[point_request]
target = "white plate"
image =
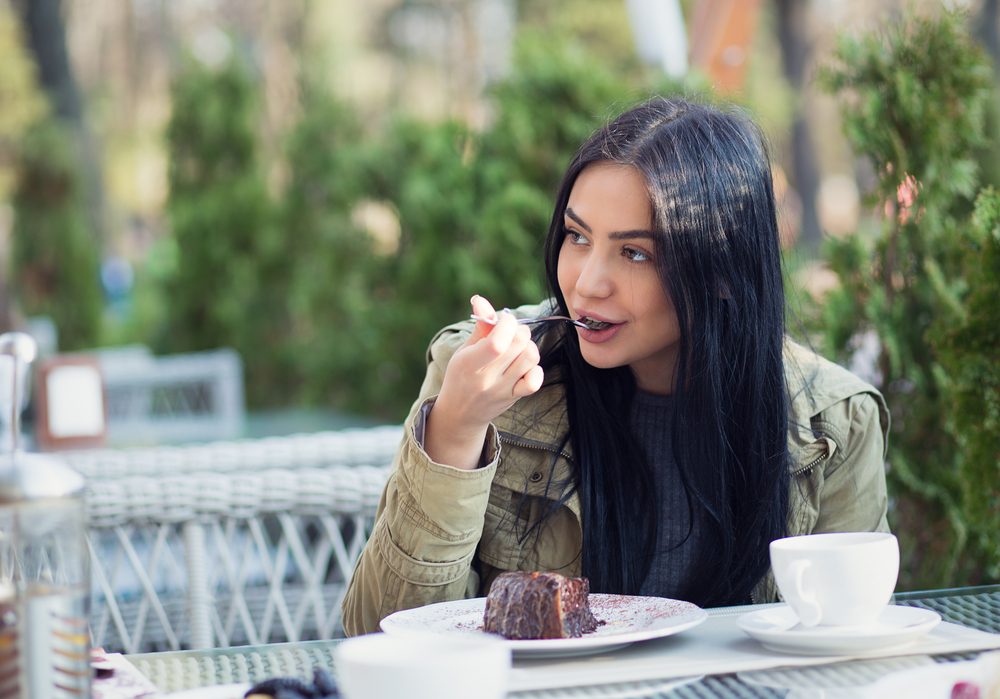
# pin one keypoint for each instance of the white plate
(778, 629)
(226, 691)
(626, 618)
(935, 681)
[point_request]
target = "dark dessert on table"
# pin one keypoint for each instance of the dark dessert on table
(523, 605)
(323, 687)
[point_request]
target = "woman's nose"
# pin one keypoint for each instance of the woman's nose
(594, 279)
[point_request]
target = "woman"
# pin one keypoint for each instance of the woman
(657, 451)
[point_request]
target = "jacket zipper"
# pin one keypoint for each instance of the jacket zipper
(531, 444)
(811, 465)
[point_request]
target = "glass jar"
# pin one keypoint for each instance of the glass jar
(44, 562)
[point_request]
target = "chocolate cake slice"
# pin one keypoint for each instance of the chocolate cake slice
(523, 605)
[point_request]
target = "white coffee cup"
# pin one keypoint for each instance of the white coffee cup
(423, 666)
(836, 579)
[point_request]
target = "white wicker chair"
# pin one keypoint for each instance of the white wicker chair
(229, 543)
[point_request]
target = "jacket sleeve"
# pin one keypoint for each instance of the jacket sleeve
(428, 525)
(853, 494)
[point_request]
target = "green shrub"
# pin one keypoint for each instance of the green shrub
(915, 98)
(227, 287)
(969, 357)
(338, 281)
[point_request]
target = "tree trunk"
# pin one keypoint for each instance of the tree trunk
(987, 30)
(795, 56)
(46, 34)
(6, 309)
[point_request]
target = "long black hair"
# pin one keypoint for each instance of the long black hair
(708, 176)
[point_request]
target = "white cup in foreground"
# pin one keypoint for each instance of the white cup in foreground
(836, 579)
(459, 666)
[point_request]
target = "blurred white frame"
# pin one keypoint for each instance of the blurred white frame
(71, 405)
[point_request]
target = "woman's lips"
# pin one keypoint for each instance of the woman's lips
(598, 336)
(604, 331)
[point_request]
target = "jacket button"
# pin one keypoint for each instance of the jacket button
(535, 477)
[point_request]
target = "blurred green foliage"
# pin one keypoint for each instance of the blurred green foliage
(338, 278)
(54, 261)
(231, 266)
(332, 289)
(915, 99)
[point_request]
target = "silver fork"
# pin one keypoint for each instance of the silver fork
(532, 321)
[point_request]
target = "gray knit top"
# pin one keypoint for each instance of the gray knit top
(677, 550)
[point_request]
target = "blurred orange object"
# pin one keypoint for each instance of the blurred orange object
(721, 34)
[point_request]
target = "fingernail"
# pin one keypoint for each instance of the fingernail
(474, 297)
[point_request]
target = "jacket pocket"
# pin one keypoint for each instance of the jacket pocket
(521, 475)
(503, 528)
(525, 483)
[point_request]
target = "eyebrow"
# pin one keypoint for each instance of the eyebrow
(615, 235)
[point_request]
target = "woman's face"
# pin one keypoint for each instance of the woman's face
(607, 275)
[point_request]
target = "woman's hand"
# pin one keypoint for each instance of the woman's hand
(495, 367)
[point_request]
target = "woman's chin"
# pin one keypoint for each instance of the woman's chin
(599, 360)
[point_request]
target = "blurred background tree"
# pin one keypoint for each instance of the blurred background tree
(54, 258)
(22, 102)
(915, 100)
(53, 255)
(22, 105)
(45, 37)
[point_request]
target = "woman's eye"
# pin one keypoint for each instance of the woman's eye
(635, 255)
(575, 237)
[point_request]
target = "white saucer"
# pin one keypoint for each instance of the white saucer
(778, 628)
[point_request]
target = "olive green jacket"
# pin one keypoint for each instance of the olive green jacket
(434, 521)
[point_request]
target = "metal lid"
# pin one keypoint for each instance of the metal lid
(35, 477)
(28, 476)
(21, 346)
(18, 350)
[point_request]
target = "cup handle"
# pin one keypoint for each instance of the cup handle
(806, 605)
